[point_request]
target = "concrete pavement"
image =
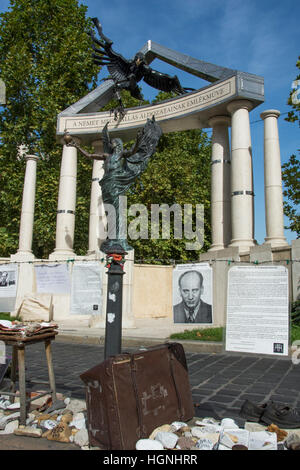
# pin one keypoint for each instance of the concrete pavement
(220, 381)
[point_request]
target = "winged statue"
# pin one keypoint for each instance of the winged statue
(121, 168)
(127, 73)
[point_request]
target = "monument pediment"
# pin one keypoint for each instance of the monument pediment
(189, 111)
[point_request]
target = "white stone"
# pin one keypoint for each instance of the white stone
(28, 431)
(30, 419)
(6, 419)
(148, 444)
(81, 438)
(225, 440)
(163, 427)
(208, 428)
(228, 423)
(76, 406)
(199, 432)
(10, 427)
(167, 439)
(4, 403)
(78, 421)
(176, 425)
(13, 406)
(206, 421)
(49, 423)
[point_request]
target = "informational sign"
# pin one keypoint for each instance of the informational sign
(192, 293)
(52, 279)
(86, 291)
(258, 310)
(8, 286)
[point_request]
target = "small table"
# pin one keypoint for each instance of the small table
(18, 344)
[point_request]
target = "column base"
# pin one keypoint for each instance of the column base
(216, 247)
(242, 244)
(275, 241)
(61, 254)
(22, 256)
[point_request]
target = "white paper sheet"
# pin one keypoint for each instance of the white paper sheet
(86, 291)
(52, 279)
(258, 310)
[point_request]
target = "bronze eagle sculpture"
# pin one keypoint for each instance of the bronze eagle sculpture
(127, 73)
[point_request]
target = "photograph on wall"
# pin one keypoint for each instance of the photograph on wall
(192, 293)
(258, 310)
(8, 286)
(86, 288)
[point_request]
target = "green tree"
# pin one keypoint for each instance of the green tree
(291, 169)
(46, 64)
(291, 179)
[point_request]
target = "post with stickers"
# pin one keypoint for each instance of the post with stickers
(113, 329)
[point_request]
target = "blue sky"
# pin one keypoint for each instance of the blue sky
(259, 36)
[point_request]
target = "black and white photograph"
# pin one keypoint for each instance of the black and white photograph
(192, 293)
(7, 278)
(8, 286)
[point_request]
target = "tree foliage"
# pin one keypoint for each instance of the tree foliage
(291, 179)
(291, 169)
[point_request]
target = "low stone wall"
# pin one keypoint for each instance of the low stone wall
(147, 294)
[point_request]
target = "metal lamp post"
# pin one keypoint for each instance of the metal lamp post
(113, 329)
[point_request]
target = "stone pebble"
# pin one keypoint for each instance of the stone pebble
(148, 444)
(167, 439)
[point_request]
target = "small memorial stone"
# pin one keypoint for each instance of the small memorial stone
(168, 439)
(148, 444)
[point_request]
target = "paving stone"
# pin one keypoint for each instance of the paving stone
(221, 376)
(219, 398)
(254, 398)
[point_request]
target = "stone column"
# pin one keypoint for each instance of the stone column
(97, 222)
(242, 196)
(65, 221)
(220, 184)
(27, 212)
(273, 182)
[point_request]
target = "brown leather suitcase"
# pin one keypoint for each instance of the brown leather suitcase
(129, 395)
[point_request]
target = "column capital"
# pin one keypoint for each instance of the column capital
(76, 139)
(31, 157)
(215, 120)
(239, 104)
(270, 113)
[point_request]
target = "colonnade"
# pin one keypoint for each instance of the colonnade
(232, 193)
